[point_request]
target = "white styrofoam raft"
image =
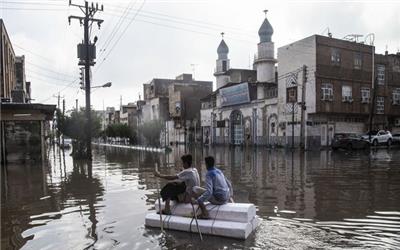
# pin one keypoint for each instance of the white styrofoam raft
(236, 212)
(239, 230)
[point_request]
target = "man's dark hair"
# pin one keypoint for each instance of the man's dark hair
(187, 159)
(209, 161)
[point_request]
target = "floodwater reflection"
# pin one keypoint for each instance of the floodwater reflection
(306, 200)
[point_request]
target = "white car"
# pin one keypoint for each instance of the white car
(379, 137)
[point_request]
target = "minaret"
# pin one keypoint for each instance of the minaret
(222, 64)
(265, 61)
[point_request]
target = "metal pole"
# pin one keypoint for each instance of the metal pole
(373, 81)
(292, 125)
(63, 115)
(87, 85)
(159, 202)
(303, 97)
(197, 222)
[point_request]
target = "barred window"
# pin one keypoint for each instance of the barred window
(357, 60)
(380, 104)
(365, 95)
(396, 96)
(327, 92)
(335, 56)
(347, 93)
(380, 73)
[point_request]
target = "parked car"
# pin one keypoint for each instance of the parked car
(396, 138)
(379, 137)
(348, 141)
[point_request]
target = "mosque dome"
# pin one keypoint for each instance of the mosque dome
(265, 32)
(222, 48)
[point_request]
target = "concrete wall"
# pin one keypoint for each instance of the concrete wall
(7, 63)
(265, 69)
(291, 59)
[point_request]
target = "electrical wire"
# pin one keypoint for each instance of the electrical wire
(121, 35)
(116, 28)
(50, 70)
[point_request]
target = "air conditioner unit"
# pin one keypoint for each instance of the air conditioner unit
(347, 99)
(365, 100)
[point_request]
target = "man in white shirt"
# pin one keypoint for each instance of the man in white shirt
(182, 189)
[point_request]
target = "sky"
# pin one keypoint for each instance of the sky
(144, 39)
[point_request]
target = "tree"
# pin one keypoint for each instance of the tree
(151, 131)
(120, 130)
(73, 127)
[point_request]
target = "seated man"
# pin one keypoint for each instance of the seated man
(182, 189)
(218, 189)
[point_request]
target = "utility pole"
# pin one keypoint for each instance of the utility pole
(371, 111)
(303, 107)
(58, 99)
(76, 105)
(87, 54)
(63, 113)
(293, 103)
(373, 84)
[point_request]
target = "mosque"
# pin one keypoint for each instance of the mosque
(243, 109)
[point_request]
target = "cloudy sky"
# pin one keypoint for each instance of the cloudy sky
(140, 40)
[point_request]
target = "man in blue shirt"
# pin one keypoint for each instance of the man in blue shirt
(218, 189)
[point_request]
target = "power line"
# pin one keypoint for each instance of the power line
(32, 3)
(51, 71)
(49, 76)
(47, 82)
(199, 23)
(31, 9)
(67, 86)
(123, 32)
(116, 27)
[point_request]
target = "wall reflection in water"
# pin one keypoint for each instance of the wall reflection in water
(70, 204)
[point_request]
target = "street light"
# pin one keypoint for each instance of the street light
(106, 85)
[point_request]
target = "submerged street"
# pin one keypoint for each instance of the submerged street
(315, 199)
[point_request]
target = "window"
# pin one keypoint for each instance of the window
(347, 93)
(335, 56)
(327, 92)
(291, 94)
(272, 127)
(357, 60)
(396, 96)
(380, 104)
(365, 95)
(224, 66)
(380, 73)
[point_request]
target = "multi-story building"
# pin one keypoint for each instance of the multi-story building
(24, 126)
(243, 109)
(387, 94)
(128, 115)
(164, 97)
(19, 93)
(7, 64)
(326, 87)
(184, 111)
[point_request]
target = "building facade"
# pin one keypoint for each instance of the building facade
(243, 109)
(326, 86)
(7, 64)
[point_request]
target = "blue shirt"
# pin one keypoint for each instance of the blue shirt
(216, 185)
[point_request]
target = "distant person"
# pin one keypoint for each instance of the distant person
(218, 189)
(180, 190)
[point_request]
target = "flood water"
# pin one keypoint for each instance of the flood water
(311, 200)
